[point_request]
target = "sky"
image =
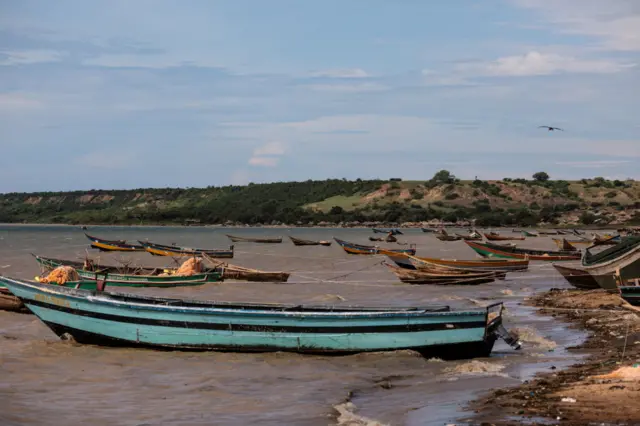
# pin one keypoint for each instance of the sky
(157, 93)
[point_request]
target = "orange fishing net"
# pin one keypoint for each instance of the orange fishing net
(61, 275)
(191, 266)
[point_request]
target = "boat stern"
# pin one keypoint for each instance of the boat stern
(495, 329)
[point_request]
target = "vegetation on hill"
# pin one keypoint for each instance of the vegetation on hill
(517, 202)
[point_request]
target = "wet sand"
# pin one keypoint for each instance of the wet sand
(46, 381)
(601, 390)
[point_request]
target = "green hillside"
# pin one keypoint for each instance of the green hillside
(443, 197)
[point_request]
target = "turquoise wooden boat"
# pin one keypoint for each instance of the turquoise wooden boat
(127, 276)
(105, 318)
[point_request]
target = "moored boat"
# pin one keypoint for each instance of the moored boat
(441, 277)
(429, 230)
(301, 242)
(507, 252)
(621, 260)
(492, 236)
(472, 236)
(528, 233)
(113, 245)
(393, 231)
(504, 265)
(177, 251)
(237, 239)
(389, 238)
(115, 319)
(353, 248)
(564, 243)
(577, 277)
(127, 276)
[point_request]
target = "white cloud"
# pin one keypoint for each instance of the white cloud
(536, 63)
(348, 88)
(19, 101)
(341, 73)
(270, 148)
(26, 57)
(614, 22)
(264, 161)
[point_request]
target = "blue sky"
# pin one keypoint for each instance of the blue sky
(153, 93)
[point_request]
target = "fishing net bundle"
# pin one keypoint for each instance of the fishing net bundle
(189, 267)
(61, 275)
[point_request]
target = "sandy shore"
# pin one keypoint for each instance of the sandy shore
(601, 390)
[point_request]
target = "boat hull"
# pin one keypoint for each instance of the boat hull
(407, 262)
(352, 248)
(493, 251)
(128, 320)
(631, 294)
(578, 278)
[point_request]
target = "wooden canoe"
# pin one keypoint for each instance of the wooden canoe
(529, 234)
(393, 231)
(353, 248)
(621, 260)
(143, 321)
(389, 239)
(240, 273)
(301, 242)
(492, 236)
(177, 251)
(505, 252)
(128, 276)
(420, 277)
(577, 277)
(504, 265)
(236, 239)
(113, 245)
(562, 243)
(429, 230)
(474, 236)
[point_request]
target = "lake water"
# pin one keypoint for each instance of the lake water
(45, 381)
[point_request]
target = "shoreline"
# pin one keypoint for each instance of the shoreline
(601, 389)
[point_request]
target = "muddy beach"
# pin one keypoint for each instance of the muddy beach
(603, 389)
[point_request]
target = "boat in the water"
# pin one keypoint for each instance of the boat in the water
(566, 244)
(429, 230)
(113, 245)
(393, 231)
(508, 252)
(236, 239)
(621, 260)
(504, 265)
(492, 236)
(115, 319)
(611, 240)
(129, 276)
(528, 233)
(548, 233)
(388, 239)
(577, 277)
(353, 248)
(440, 277)
(301, 242)
(177, 251)
(472, 236)
(443, 235)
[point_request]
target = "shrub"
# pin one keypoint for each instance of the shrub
(451, 196)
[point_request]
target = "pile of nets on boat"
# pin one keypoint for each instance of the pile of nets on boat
(61, 275)
(191, 266)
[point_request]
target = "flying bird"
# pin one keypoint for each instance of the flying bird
(551, 129)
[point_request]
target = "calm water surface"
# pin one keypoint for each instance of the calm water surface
(45, 381)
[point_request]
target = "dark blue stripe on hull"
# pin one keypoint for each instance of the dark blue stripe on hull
(261, 328)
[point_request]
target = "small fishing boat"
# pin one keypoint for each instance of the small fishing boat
(577, 277)
(506, 252)
(504, 265)
(254, 240)
(240, 273)
(440, 277)
(128, 276)
(478, 266)
(9, 302)
(113, 245)
(473, 236)
(621, 260)
(116, 319)
(443, 235)
(562, 232)
(353, 248)
(492, 236)
(393, 231)
(606, 240)
(177, 251)
(566, 244)
(301, 242)
(547, 232)
(529, 234)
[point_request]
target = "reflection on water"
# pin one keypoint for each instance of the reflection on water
(48, 381)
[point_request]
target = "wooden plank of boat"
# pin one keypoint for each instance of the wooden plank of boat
(301, 242)
(495, 250)
(237, 239)
(353, 248)
(492, 236)
(177, 251)
(105, 318)
(577, 277)
(113, 245)
(440, 277)
(9, 302)
(126, 276)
